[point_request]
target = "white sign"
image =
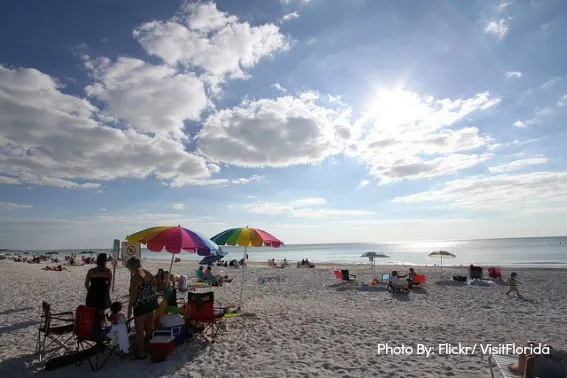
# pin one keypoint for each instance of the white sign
(129, 251)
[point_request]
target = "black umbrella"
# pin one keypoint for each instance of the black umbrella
(373, 255)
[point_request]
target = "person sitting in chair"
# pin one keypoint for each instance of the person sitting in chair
(212, 279)
(410, 276)
(393, 281)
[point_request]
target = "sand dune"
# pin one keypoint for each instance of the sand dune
(305, 324)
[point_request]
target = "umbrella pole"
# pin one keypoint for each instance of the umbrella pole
(171, 263)
(242, 282)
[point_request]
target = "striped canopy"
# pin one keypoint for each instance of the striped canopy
(174, 239)
(247, 237)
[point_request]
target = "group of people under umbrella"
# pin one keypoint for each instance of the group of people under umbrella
(143, 299)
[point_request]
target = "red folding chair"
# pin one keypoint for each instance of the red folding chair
(92, 343)
(201, 310)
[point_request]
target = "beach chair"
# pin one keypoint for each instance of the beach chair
(200, 276)
(475, 272)
(347, 277)
(59, 335)
(92, 344)
(201, 310)
(500, 362)
(419, 280)
(385, 278)
(494, 273)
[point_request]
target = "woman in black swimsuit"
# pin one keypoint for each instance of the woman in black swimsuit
(98, 282)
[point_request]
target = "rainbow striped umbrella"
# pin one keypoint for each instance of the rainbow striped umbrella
(174, 239)
(246, 237)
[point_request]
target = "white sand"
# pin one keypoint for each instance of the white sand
(306, 325)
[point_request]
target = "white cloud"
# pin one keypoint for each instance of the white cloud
(513, 74)
(178, 206)
(102, 210)
(148, 98)
(10, 180)
(538, 190)
(64, 140)
(407, 137)
(278, 87)
(497, 28)
(363, 184)
(316, 201)
(543, 111)
(11, 205)
(248, 180)
(288, 2)
(289, 16)
(562, 101)
(517, 165)
(302, 208)
(203, 37)
(275, 132)
(527, 122)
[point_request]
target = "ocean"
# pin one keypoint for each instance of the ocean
(527, 252)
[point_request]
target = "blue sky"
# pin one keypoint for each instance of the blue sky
(316, 120)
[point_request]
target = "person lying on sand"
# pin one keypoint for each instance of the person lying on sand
(57, 268)
(549, 363)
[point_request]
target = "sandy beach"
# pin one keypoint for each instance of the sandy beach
(306, 324)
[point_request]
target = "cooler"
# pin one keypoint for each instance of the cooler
(175, 324)
(161, 345)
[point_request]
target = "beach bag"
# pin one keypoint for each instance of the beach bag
(146, 300)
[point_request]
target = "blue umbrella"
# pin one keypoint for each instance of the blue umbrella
(211, 259)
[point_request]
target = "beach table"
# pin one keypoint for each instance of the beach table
(502, 361)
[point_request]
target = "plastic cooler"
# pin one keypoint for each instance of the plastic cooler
(161, 345)
(175, 324)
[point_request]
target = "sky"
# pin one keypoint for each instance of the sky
(319, 121)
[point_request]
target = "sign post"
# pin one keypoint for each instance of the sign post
(115, 252)
(129, 251)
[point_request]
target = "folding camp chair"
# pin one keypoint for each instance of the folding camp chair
(201, 310)
(347, 277)
(92, 344)
(418, 280)
(385, 278)
(49, 334)
(475, 272)
(494, 272)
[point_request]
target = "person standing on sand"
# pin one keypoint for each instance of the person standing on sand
(512, 284)
(143, 301)
(98, 282)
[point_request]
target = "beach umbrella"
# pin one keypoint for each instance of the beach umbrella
(246, 237)
(174, 240)
(212, 258)
(441, 254)
(372, 256)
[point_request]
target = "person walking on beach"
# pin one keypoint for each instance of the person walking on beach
(512, 284)
(143, 301)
